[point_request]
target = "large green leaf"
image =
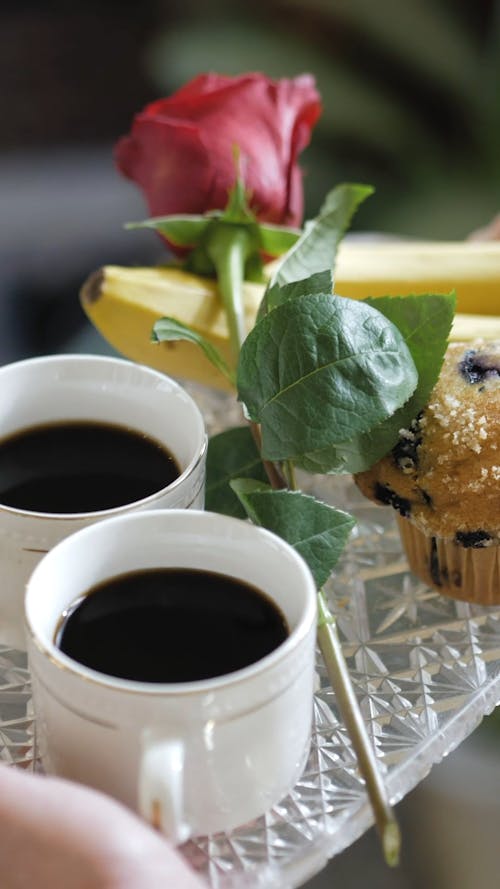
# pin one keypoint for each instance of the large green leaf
(276, 295)
(231, 454)
(316, 249)
(316, 530)
(424, 321)
(320, 370)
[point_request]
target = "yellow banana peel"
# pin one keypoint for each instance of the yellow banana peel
(472, 327)
(124, 303)
(393, 268)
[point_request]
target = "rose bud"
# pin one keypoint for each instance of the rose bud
(180, 150)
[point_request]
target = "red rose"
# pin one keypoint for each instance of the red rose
(181, 149)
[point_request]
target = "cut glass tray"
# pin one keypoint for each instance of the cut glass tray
(425, 669)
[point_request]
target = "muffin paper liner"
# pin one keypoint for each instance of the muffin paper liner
(467, 573)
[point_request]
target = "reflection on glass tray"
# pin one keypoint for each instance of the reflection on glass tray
(425, 668)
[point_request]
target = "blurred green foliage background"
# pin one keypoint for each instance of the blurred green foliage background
(411, 96)
(411, 93)
(411, 88)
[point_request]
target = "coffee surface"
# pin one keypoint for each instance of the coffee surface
(171, 625)
(81, 466)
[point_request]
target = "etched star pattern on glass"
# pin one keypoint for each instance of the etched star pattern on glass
(425, 669)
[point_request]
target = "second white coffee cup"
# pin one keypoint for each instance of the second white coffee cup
(197, 756)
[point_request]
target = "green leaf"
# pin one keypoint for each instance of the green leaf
(230, 454)
(183, 231)
(319, 370)
(192, 231)
(277, 239)
(237, 209)
(424, 321)
(320, 282)
(198, 262)
(316, 530)
(170, 330)
(316, 248)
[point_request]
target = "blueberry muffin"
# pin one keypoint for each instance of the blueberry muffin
(443, 478)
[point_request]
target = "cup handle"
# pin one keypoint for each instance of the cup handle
(161, 786)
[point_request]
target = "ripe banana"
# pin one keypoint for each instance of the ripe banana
(124, 303)
(393, 268)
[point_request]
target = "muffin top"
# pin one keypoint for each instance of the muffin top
(444, 472)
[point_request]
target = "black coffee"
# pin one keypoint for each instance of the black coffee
(75, 466)
(171, 625)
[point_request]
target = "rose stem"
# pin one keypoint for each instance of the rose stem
(276, 478)
(338, 674)
(228, 248)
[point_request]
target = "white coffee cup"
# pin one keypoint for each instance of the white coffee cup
(89, 387)
(193, 757)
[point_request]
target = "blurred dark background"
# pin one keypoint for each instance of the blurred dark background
(411, 105)
(411, 92)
